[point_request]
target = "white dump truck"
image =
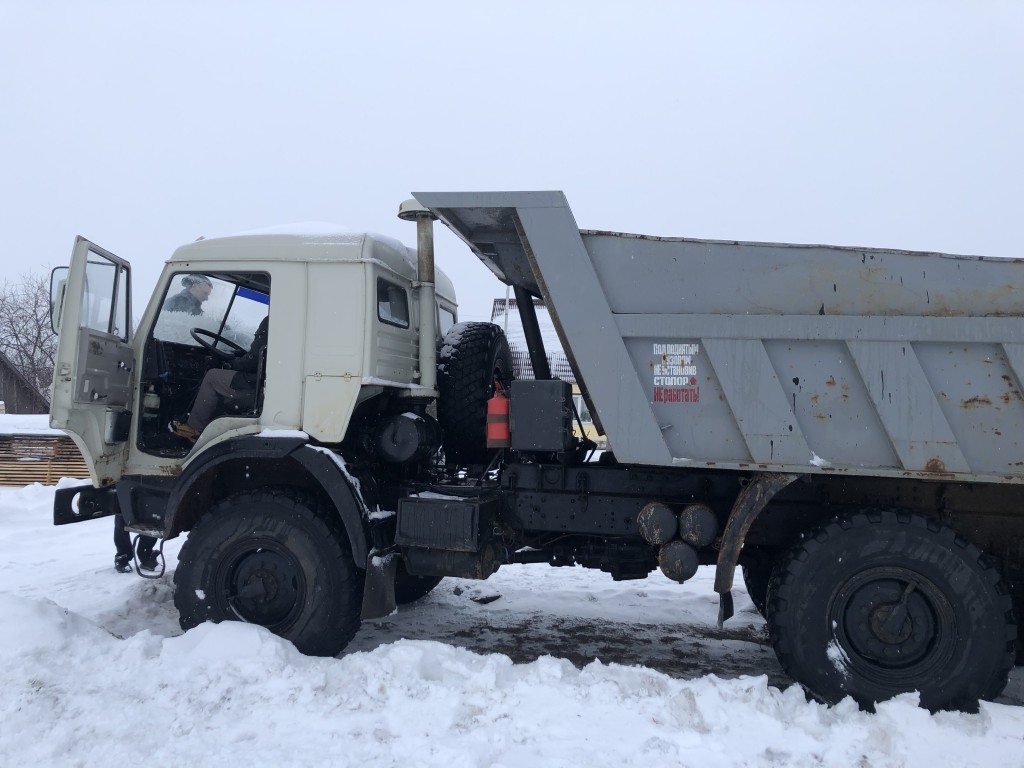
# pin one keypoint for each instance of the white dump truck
(843, 424)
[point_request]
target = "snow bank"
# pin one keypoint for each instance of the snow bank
(36, 626)
(236, 692)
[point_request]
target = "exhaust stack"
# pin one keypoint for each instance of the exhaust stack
(411, 210)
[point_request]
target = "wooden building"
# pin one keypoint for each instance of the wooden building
(17, 393)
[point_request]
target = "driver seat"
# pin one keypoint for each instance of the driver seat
(248, 402)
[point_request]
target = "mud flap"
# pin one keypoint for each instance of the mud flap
(379, 587)
(725, 608)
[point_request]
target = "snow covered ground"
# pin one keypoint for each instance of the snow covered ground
(565, 668)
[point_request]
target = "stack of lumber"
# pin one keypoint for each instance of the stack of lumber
(38, 458)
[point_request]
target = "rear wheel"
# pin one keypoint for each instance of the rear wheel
(271, 559)
(880, 603)
(473, 357)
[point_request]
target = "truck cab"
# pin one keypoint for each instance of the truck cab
(343, 330)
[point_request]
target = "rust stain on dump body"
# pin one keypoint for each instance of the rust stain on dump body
(1009, 397)
(976, 402)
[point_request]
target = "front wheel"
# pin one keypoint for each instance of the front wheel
(271, 559)
(879, 603)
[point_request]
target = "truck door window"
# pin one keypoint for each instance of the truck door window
(105, 302)
(392, 304)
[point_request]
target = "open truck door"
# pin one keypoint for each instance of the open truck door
(92, 381)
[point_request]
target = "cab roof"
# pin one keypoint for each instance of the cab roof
(310, 242)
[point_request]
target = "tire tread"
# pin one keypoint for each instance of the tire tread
(790, 570)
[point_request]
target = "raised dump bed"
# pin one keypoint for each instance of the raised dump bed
(755, 356)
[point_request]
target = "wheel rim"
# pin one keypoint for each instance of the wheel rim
(262, 583)
(895, 627)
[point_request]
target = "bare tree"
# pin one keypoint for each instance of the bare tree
(26, 337)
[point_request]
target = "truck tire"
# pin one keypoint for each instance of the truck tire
(880, 603)
(271, 559)
(409, 588)
(473, 356)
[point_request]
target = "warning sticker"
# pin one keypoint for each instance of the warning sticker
(675, 373)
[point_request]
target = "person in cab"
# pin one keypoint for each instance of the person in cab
(220, 383)
(195, 291)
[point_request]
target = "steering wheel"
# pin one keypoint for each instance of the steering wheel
(211, 344)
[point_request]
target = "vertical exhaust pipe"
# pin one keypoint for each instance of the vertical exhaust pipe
(411, 210)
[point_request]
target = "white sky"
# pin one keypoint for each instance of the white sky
(144, 125)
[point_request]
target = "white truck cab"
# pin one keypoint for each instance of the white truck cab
(343, 329)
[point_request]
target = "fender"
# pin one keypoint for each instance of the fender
(323, 466)
(748, 505)
(343, 488)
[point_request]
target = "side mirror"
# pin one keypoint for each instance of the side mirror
(58, 282)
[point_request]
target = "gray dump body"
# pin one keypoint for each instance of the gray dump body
(794, 358)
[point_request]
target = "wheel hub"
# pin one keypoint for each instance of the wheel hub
(884, 617)
(264, 588)
(888, 620)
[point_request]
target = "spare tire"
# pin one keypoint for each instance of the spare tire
(473, 357)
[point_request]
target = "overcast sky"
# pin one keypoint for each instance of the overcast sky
(142, 125)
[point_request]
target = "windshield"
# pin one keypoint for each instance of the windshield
(231, 305)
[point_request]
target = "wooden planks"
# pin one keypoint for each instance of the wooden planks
(26, 459)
